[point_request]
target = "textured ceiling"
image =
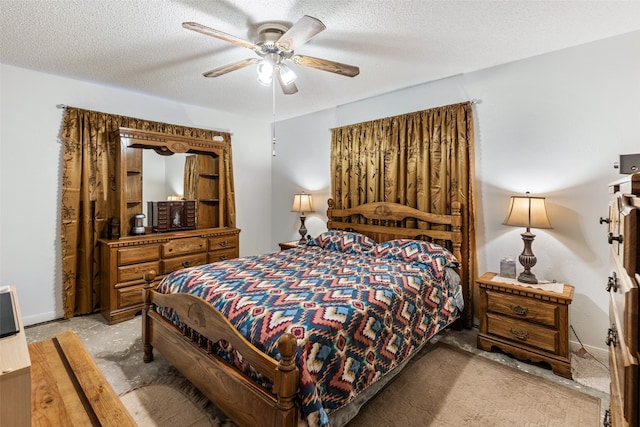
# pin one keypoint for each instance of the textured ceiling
(140, 45)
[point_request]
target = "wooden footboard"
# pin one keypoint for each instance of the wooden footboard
(241, 399)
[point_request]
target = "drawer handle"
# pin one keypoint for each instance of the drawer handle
(605, 220)
(611, 238)
(520, 334)
(186, 264)
(520, 311)
(223, 257)
(612, 337)
(612, 282)
(223, 243)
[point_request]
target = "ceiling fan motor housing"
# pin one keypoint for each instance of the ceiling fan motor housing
(268, 35)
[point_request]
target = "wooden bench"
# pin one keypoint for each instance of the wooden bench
(68, 389)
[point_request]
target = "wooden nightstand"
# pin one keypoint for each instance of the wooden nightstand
(288, 245)
(528, 323)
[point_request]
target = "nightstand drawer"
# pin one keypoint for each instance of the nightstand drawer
(523, 332)
(522, 308)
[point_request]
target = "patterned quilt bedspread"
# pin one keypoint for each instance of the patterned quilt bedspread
(355, 315)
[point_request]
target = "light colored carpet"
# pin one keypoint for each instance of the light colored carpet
(444, 386)
(174, 403)
(449, 387)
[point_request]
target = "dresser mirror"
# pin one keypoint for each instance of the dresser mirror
(163, 178)
(153, 168)
(150, 166)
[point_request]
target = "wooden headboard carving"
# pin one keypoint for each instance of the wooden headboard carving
(384, 222)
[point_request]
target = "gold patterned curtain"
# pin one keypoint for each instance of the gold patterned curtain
(88, 186)
(422, 159)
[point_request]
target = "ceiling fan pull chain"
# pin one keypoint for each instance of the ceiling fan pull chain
(273, 124)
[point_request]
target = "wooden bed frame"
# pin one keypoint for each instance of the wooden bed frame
(241, 399)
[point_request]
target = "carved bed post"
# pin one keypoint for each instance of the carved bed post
(287, 380)
(456, 228)
(149, 277)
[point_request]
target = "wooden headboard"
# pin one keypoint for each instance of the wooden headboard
(384, 221)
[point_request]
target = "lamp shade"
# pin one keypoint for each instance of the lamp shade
(529, 212)
(301, 203)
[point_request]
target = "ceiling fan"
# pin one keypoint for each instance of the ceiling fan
(275, 46)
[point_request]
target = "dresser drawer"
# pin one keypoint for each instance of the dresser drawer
(623, 368)
(177, 263)
(138, 254)
(222, 255)
(523, 308)
(129, 296)
(130, 273)
(523, 332)
(223, 242)
(184, 246)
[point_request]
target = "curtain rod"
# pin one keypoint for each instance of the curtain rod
(473, 101)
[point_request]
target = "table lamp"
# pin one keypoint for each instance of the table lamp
(302, 204)
(529, 212)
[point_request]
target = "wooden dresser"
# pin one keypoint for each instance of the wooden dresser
(125, 260)
(199, 230)
(622, 287)
(529, 323)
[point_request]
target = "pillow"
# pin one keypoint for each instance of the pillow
(343, 241)
(417, 251)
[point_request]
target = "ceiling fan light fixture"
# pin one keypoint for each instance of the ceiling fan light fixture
(265, 80)
(275, 44)
(287, 75)
(265, 72)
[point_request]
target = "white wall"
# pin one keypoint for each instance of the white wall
(301, 164)
(30, 158)
(552, 124)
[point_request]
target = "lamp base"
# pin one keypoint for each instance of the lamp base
(527, 259)
(302, 231)
(527, 277)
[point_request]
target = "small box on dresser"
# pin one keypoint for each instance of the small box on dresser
(172, 216)
(622, 287)
(526, 322)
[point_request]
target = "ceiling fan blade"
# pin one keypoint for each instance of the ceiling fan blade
(194, 26)
(326, 65)
(287, 89)
(302, 31)
(216, 72)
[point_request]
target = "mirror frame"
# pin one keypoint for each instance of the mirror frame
(167, 144)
